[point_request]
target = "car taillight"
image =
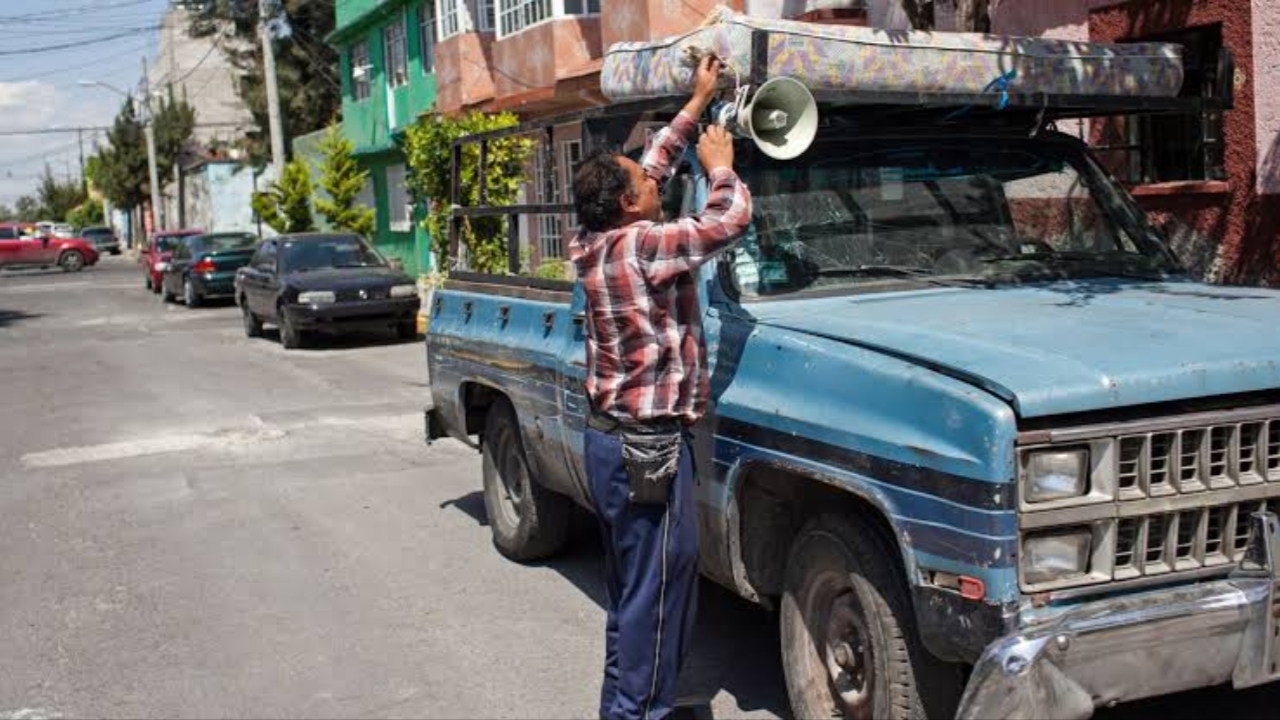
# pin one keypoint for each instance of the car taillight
(204, 266)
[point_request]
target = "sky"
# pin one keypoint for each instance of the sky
(50, 46)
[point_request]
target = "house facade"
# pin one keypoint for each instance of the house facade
(386, 50)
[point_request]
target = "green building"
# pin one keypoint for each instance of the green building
(388, 79)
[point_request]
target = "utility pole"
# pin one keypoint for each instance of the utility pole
(84, 181)
(273, 91)
(150, 131)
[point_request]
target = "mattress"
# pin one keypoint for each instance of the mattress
(843, 58)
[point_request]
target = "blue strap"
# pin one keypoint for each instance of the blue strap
(1001, 83)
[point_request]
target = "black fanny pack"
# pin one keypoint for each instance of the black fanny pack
(650, 454)
(652, 460)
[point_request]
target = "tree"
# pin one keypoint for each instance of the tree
(175, 123)
(7, 214)
(58, 198)
(27, 208)
(971, 15)
(343, 180)
(428, 149)
(121, 172)
(286, 205)
(89, 213)
(310, 88)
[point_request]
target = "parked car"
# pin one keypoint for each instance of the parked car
(22, 245)
(326, 282)
(103, 239)
(204, 267)
(155, 254)
(63, 230)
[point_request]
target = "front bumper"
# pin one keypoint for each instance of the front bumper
(355, 314)
(1069, 661)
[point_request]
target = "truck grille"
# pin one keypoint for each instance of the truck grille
(1185, 540)
(1195, 459)
(1167, 495)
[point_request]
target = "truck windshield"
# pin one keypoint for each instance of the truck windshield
(861, 217)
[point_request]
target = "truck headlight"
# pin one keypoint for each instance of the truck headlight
(1059, 555)
(403, 291)
(316, 297)
(1056, 475)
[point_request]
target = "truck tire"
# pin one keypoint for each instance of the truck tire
(528, 521)
(849, 645)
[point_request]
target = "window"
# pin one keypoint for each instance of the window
(360, 70)
(581, 7)
(397, 199)
(478, 17)
(572, 158)
(547, 190)
(1174, 147)
(450, 24)
(427, 35)
(394, 55)
(516, 15)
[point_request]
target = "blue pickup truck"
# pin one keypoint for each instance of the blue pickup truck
(974, 432)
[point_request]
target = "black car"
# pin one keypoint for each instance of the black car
(203, 267)
(103, 238)
(329, 282)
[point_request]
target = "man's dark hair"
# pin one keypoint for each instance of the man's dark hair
(598, 187)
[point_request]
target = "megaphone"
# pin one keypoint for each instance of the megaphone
(782, 118)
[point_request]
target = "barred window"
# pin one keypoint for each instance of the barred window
(427, 36)
(394, 55)
(397, 200)
(360, 70)
(1174, 147)
(516, 15)
(449, 18)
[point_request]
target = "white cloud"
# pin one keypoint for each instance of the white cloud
(32, 105)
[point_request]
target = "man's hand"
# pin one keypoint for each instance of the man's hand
(706, 78)
(715, 149)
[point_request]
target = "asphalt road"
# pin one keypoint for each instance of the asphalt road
(194, 524)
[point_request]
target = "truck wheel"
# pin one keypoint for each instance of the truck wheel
(252, 325)
(849, 645)
(528, 521)
(71, 261)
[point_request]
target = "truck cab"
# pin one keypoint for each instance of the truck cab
(974, 432)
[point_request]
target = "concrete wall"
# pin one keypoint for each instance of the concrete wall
(199, 70)
(218, 198)
(1266, 78)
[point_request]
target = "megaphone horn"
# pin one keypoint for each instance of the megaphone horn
(782, 118)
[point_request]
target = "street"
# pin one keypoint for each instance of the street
(201, 525)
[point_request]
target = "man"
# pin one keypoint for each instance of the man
(647, 382)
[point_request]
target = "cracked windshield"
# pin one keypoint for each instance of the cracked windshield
(866, 219)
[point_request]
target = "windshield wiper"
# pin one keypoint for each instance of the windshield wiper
(357, 265)
(924, 275)
(1101, 266)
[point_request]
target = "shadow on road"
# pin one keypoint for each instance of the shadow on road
(12, 317)
(328, 342)
(735, 646)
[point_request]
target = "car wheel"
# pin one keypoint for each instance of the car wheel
(189, 294)
(116, 251)
(166, 296)
(528, 521)
(252, 325)
(147, 282)
(407, 330)
(290, 336)
(71, 261)
(849, 644)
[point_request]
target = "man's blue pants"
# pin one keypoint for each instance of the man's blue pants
(651, 575)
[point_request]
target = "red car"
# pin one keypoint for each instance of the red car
(21, 245)
(159, 249)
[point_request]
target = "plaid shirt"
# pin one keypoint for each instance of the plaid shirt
(645, 355)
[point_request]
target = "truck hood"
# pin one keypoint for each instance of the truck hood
(1064, 347)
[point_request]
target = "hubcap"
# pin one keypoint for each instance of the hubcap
(848, 655)
(509, 473)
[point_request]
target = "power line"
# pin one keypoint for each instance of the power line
(79, 43)
(91, 63)
(92, 8)
(87, 128)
